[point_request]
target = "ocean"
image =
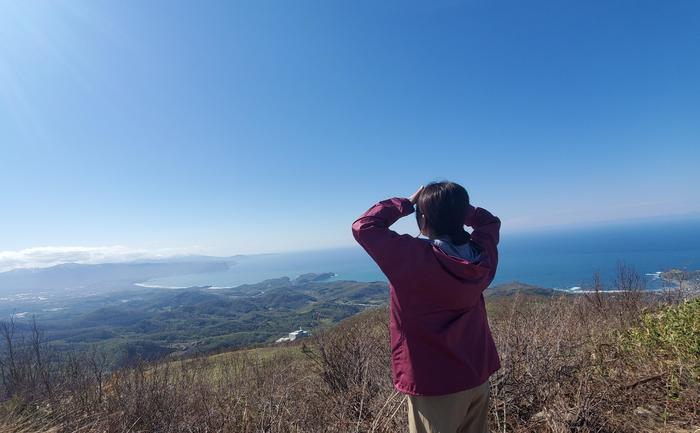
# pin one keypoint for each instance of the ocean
(565, 259)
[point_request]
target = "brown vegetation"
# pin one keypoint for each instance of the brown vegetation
(625, 362)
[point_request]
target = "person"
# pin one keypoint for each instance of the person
(442, 350)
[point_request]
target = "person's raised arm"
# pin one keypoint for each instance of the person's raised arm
(486, 231)
(486, 226)
(386, 247)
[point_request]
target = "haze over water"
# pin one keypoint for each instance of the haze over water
(563, 258)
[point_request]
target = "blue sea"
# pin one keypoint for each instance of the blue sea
(563, 258)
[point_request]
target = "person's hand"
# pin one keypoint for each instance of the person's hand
(414, 197)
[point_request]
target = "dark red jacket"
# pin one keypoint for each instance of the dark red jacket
(440, 338)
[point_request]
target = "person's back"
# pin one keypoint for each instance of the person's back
(442, 349)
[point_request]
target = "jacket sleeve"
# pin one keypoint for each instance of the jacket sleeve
(390, 250)
(486, 233)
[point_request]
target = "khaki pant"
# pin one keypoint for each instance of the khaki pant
(462, 412)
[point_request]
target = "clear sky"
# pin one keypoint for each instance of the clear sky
(229, 127)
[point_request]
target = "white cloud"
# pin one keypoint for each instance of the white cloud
(40, 257)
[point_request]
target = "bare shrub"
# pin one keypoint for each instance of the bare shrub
(631, 289)
(28, 367)
(543, 348)
(353, 360)
(567, 366)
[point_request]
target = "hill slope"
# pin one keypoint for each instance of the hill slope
(569, 363)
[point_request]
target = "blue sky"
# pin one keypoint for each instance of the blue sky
(229, 127)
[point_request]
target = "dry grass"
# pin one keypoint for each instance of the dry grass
(570, 366)
(597, 363)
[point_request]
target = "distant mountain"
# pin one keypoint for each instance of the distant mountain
(101, 277)
(311, 277)
(510, 289)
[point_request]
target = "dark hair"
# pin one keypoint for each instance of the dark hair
(444, 205)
